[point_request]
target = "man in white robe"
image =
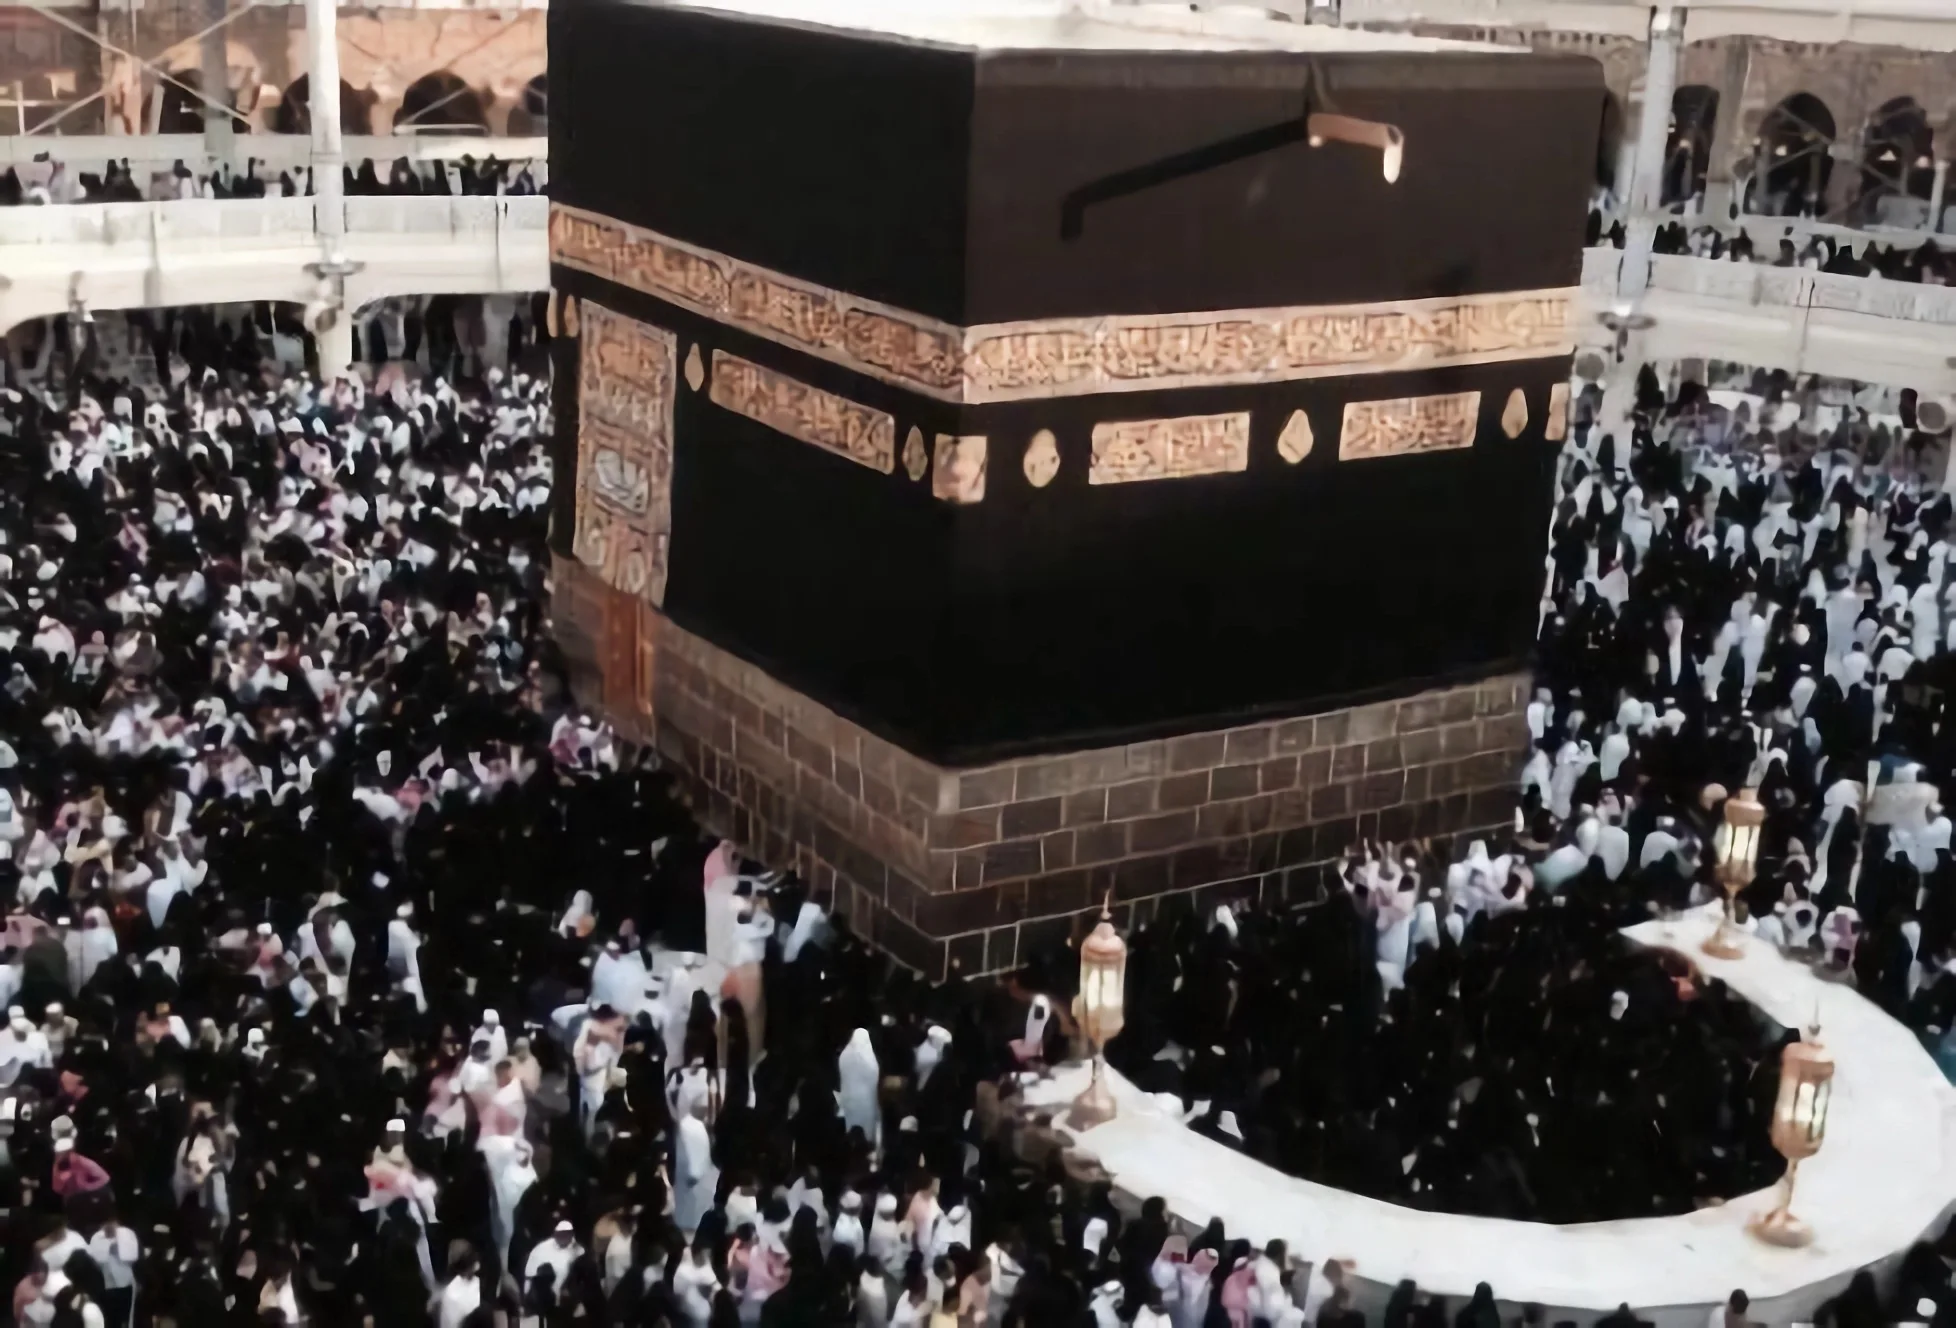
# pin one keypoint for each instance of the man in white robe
(695, 1178)
(557, 1254)
(859, 1075)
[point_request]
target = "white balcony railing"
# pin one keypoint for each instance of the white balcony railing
(1871, 329)
(260, 221)
(1759, 285)
(195, 251)
(276, 152)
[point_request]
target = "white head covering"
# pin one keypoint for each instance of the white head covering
(1036, 1018)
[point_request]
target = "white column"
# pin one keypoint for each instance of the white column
(1653, 133)
(1624, 177)
(218, 128)
(1936, 193)
(329, 188)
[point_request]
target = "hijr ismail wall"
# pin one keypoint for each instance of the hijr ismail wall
(994, 478)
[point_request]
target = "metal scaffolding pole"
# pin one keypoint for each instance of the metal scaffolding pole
(328, 185)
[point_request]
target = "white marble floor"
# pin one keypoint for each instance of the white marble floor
(1885, 1177)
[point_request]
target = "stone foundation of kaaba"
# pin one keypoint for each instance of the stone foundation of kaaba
(980, 866)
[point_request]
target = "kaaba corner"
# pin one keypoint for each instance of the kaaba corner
(1009, 455)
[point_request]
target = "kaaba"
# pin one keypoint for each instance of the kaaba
(980, 423)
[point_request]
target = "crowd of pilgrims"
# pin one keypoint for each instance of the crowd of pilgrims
(1729, 605)
(449, 336)
(353, 975)
(1735, 606)
(46, 182)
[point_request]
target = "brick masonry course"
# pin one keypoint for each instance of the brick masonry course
(981, 867)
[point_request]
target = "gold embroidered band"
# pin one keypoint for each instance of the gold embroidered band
(1128, 450)
(807, 413)
(870, 338)
(1404, 426)
(1068, 356)
(626, 377)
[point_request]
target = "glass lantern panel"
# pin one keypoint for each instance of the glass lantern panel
(1816, 1123)
(1090, 989)
(1745, 844)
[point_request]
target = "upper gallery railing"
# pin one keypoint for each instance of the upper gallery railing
(268, 220)
(154, 154)
(1765, 286)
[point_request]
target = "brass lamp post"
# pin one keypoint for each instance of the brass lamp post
(1806, 1083)
(1737, 845)
(1101, 1011)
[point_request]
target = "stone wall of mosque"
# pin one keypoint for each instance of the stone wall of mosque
(979, 866)
(412, 69)
(1741, 100)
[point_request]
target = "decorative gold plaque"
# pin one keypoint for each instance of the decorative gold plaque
(626, 381)
(959, 476)
(695, 370)
(1405, 426)
(1070, 356)
(1042, 459)
(1297, 440)
(1556, 427)
(1514, 415)
(915, 459)
(790, 406)
(1172, 449)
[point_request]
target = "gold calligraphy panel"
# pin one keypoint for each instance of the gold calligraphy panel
(1015, 362)
(1129, 450)
(809, 414)
(1407, 426)
(902, 348)
(1069, 356)
(625, 384)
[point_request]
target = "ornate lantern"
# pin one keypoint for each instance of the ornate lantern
(1806, 1082)
(1737, 845)
(1101, 1011)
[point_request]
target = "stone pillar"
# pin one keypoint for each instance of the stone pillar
(1844, 185)
(380, 115)
(122, 86)
(1936, 189)
(1653, 132)
(1727, 147)
(219, 129)
(1854, 115)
